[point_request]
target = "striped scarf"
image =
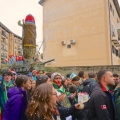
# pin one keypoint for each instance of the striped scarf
(7, 86)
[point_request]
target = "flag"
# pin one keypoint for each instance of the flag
(103, 107)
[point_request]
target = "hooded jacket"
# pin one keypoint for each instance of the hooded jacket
(16, 105)
(89, 85)
(101, 106)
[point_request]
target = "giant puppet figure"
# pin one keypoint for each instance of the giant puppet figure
(31, 58)
(29, 37)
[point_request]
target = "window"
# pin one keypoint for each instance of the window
(114, 51)
(111, 9)
(112, 30)
(68, 46)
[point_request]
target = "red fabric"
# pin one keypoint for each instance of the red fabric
(103, 88)
(10, 56)
(0, 116)
(58, 83)
(111, 91)
(12, 70)
(38, 72)
(29, 18)
(6, 60)
(103, 107)
(19, 58)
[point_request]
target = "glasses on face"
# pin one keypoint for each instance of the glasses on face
(57, 78)
(7, 75)
(54, 94)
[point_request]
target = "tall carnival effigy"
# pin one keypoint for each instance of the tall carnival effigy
(30, 58)
(29, 37)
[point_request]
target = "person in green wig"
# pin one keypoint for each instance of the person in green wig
(5, 85)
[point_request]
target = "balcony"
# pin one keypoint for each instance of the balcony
(116, 42)
(20, 53)
(3, 41)
(19, 46)
(118, 30)
(19, 49)
(3, 56)
(3, 49)
(3, 34)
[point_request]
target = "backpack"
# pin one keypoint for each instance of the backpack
(89, 88)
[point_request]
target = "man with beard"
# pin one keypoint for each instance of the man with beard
(116, 79)
(101, 106)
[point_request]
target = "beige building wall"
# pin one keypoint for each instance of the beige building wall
(9, 43)
(87, 22)
(114, 20)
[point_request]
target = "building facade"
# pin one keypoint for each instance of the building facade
(11, 44)
(81, 32)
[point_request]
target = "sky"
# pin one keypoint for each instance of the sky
(11, 11)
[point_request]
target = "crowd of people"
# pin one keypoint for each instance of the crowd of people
(51, 96)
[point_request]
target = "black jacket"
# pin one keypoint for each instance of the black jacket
(101, 106)
(89, 85)
(65, 112)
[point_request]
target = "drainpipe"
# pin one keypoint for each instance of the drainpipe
(110, 32)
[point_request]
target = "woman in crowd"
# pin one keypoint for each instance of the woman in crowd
(31, 89)
(16, 105)
(42, 106)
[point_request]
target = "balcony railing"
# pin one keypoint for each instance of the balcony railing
(3, 42)
(118, 30)
(3, 34)
(116, 42)
(19, 49)
(3, 49)
(3, 56)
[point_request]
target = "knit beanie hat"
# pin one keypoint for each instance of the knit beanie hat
(74, 77)
(41, 79)
(55, 74)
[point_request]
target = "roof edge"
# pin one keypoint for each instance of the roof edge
(17, 36)
(117, 6)
(115, 2)
(41, 2)
(9, 31)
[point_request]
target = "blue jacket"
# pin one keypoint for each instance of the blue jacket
(16, 105)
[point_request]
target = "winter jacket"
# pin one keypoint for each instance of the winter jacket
(3, 95)
(101, 106)
(65, 112)
(16, 105)
(117, 101)
(89, 85)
